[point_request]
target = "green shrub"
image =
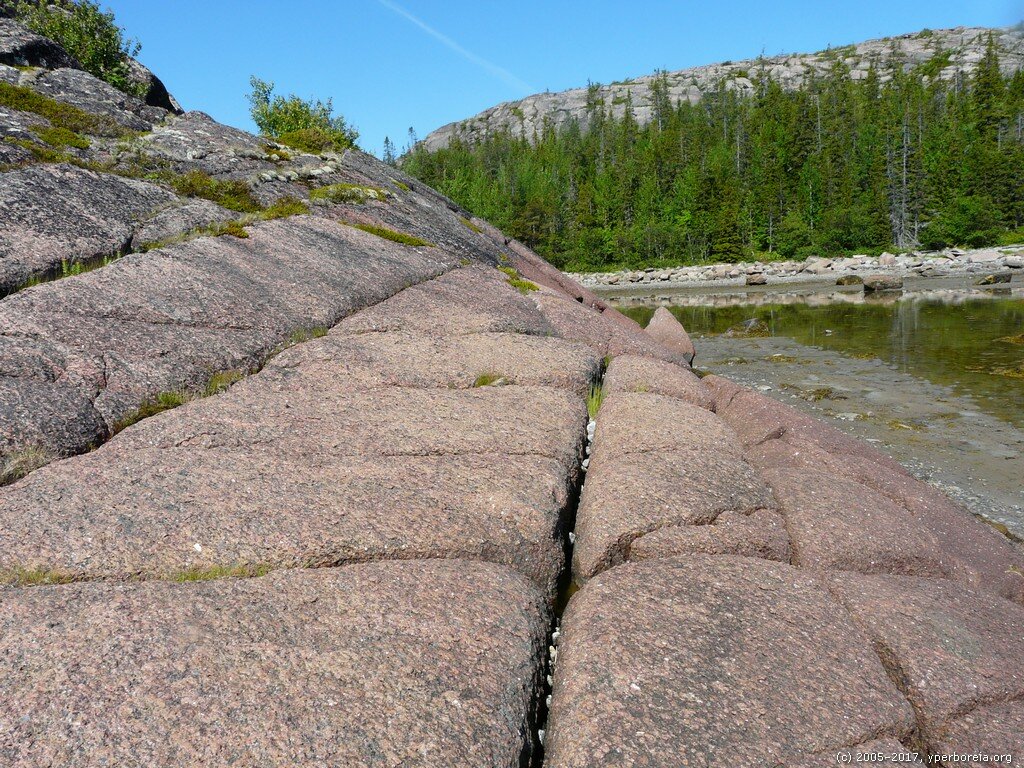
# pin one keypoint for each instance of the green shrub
(393, 236)
(305, 124)
(59, 114)
(90, 35)
(60, 137)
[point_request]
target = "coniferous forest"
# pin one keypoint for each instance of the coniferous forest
(896, 160)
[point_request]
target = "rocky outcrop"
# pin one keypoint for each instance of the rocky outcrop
(295, 489)
(351, 666)
(707, 659)
(957, 50)
(21, 48)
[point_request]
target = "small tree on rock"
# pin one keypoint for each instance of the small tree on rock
(305, 124)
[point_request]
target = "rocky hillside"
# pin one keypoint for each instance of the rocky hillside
(298, 460)
(952, 52)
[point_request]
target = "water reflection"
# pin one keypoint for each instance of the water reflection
(956, 337)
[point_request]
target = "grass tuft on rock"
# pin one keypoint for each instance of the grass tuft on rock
(165, 401)
(394, 236)
(595, 397)
(487, 380)
(214, 572)
(20, 463)
(34, 577)
(470, 225)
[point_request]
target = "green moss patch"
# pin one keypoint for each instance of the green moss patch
(348, 193)
(394, 236)
(59, 114)
(233, 195)
(60, 137)
(517, 282)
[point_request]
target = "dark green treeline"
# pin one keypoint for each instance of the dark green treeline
(894, 160)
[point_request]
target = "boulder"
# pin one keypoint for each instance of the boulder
(576, 322)
(714, 661)
(762, 534)
(887, 260)
(984, 256)
(669, 332)
(89, 93)
(634, 374)
(758, 278)
(307, 470)
(1014, 262)
(472, 299)
(883, 283)
(995, 279)
(850, 280)
(436, 361)
(156, 94)
(757, 418)
(838, 524)
(167, 320)
(20, 47)
(360, 665)
(974, 553)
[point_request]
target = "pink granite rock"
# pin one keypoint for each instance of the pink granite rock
(657, 462)
(632, 373)
(669, 332)
(957, 654)
(713, 661)
(429, 663)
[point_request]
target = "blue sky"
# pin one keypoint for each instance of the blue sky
(395, 64)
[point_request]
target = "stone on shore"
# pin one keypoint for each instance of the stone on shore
(757, 418)
(883, 282)
(850, 280)
(635, 374)
(714, 661)
(668, 331)
(428, 663)
(576, 322)
(974, 553)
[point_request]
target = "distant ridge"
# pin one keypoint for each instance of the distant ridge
(955, 51)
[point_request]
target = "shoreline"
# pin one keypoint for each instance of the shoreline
(815, 273)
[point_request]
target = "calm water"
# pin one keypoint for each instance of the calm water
(957, 340)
